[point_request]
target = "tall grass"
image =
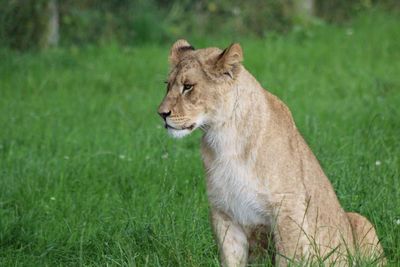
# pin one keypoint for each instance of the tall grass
(88, 175)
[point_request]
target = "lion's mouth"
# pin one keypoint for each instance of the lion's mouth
(190, 127)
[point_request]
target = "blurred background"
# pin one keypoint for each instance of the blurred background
(37, 24)
(88, 174)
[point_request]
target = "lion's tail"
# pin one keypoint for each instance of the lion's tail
(366, 240)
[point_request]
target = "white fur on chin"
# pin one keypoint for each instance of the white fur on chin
(178, 133)
(182, 133)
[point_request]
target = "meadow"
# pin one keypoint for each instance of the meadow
(89, 177)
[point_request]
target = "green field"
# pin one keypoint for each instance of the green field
(89, 177)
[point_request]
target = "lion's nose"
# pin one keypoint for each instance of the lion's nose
(164, 114)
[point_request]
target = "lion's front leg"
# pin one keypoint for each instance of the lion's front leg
(231, 238)
(292, 243)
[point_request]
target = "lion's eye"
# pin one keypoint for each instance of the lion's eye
(187, 87)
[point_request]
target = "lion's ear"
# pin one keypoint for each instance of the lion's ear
(230, 59)
(177, 50)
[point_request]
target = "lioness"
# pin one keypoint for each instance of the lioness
(264, 184)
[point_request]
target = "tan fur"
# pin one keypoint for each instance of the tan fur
(263, 181)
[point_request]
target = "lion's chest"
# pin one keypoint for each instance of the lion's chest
(234, 189)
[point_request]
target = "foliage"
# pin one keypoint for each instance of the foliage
(21, 23)
(131, 22)
(89, 177)
(343, 10)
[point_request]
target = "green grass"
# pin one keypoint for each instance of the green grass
(89, 177)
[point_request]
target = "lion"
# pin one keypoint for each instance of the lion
(265, 187)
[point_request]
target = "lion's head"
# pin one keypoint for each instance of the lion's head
(197, 85)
